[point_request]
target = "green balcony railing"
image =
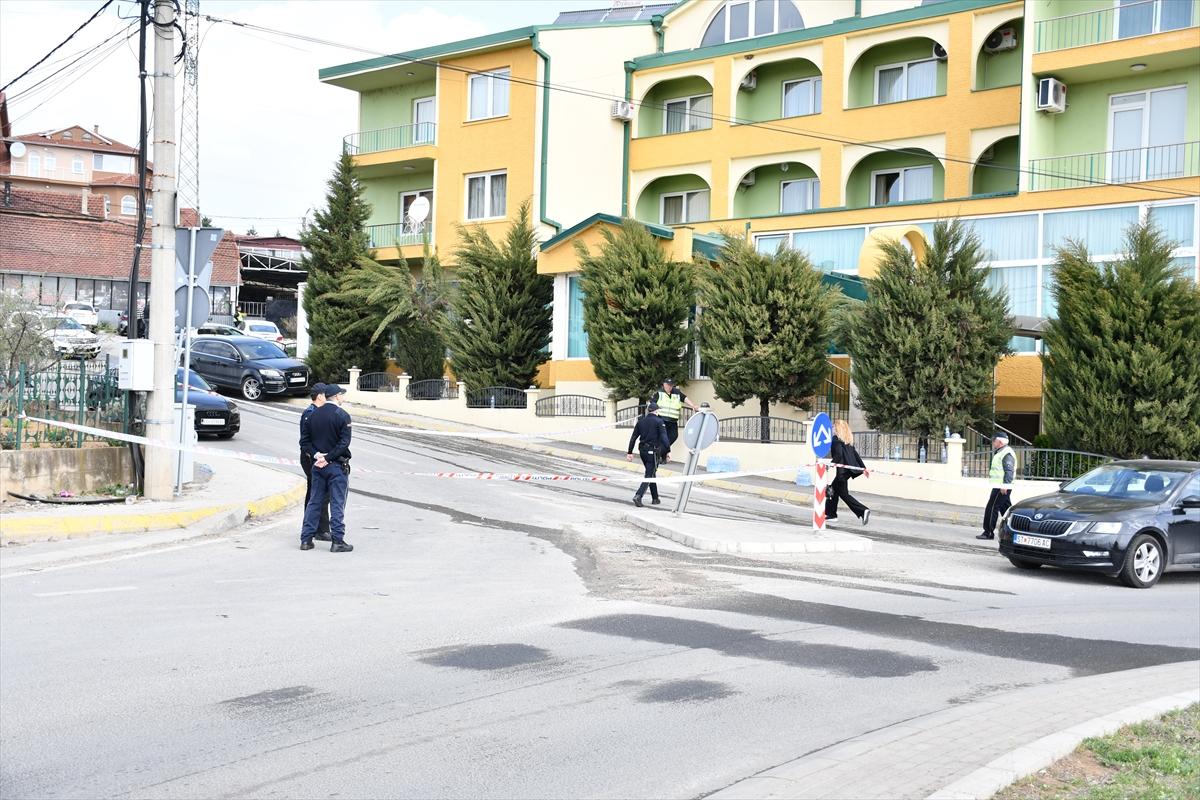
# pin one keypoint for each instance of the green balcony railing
(399, 234)
(1115, 166)
(1123, 21)
(396, 138)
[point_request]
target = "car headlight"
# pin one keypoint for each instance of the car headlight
(1106, 527)
(1079, 526)
(271, 373)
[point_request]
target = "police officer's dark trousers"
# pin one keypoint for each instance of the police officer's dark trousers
(328, 483)
(306, 464)
(998, 503)
(650, 462)
(672, 430)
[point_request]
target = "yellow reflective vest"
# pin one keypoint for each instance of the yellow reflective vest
(669, 405)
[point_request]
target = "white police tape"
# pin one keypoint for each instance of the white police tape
(484, 434)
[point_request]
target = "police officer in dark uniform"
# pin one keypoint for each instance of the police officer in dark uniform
(317, 394)
(652, 432)
(329, 427)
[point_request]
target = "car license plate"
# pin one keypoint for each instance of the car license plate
(1031, 541)
(297, 379)
(212, 422)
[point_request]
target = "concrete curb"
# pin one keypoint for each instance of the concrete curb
(215, 517)
(818, 543)
(1024, 761)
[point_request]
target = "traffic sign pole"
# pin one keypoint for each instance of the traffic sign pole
(821, 434)
(700, 432)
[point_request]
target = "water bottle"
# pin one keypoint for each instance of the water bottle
(896, 454)
(921, 454)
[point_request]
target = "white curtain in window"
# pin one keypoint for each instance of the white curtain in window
(891, 87)
(1168, 126)
(676, 114)
(479, 95)
(1174, 14)
(1021, 286)
(128, 205)
(1007, 238)
(764, 17)
(796, 196)
(1134, 18)
(918, 183)
(922, 79)
(770, 244)
(697, 206)
(499, 190)
(1176, 223)
(739, 20)
(577, 338)
(1049, 306)
(797, 98)
(1185, 267)
(672, 209)
(499, 87)
(700, 113)
(1102, 230)
(35, 165)
(476, 198)
(831, 250)
(886, 189)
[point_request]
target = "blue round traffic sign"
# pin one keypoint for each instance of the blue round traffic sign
(822, 435)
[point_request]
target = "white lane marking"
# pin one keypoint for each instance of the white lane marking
(140, 554)
(86, 591)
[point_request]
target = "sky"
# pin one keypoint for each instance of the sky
(269, 131)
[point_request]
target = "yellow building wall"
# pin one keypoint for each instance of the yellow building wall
(1019, 384)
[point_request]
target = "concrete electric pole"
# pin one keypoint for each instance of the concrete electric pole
(160, 407)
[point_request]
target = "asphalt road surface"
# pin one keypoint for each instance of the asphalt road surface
(517, 640)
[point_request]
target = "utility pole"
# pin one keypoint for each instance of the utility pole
(160, 407)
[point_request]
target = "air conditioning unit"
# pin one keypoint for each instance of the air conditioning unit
(1051, 96)
(939, 52)
(748, 181)
(1001, 40)
(988, 155)
(750, 82)
(622, 110)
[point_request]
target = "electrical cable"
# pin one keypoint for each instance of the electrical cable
(89, 21)
(25, 93)
(60, 87)
(403, 58)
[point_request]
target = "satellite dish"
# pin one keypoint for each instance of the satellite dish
(418, 210)
(17, 149)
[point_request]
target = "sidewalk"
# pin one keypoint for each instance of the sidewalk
(236, 490)
(952, 754)
(611, 458)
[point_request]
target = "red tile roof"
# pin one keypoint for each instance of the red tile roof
(23, 199)
(98, 143)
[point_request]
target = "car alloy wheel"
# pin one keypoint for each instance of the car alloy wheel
(251, 388)
(1143, 562)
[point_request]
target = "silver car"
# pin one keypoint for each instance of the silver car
(69, 338)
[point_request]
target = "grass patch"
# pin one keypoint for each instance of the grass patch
(1156, 760)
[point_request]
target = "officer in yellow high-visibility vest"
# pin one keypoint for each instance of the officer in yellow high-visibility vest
(670, 407)
(1000, 474)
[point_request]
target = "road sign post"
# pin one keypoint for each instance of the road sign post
(700, 432)
(821, 443)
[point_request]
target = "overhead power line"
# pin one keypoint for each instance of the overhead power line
(82, 70)
(25, 93)
(406, 58)
(89, 21)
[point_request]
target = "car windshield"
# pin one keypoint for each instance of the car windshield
(53, 323)
(264, 329)
(194, 381)
(78, 307)
(255, 350)
(1128, 482)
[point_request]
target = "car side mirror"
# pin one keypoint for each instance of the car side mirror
(1192, 501)
(1064, 484)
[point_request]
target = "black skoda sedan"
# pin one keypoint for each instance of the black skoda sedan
(1129, 519)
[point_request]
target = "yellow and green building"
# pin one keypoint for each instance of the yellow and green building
(823, 125)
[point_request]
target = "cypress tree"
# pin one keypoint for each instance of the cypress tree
(336, 243)
(636, 304)
(1122, 369)
(926, 341)
(764, 330)
(501, 311)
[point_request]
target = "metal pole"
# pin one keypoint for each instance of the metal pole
(160, 406)
(187, 358)
(693, 461)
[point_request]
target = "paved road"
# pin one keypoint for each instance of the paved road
(515, 640)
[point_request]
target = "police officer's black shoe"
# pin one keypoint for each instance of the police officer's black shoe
(985, 536)
(656, 502)
(306, 545)
(637, 501)
(341, 547)
(322, 537)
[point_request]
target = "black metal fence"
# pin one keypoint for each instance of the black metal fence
(762, 429)
(570, 405)
(378, 382)
(899, 446)
(433, 389)
(496, 397)
(1036, 463)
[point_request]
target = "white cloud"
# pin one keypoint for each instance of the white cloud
(269, 131)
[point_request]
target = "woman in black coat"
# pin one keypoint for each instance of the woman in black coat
(842, 452)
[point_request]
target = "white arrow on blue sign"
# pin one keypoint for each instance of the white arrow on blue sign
(822, 435)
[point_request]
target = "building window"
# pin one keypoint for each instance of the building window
(424, 109)
(35, 165)
(68, 135)
(1145, 134)
(798, 196)
(801, 98)
(489, 94)
(742, 19)
(1140, 17)
(51, 164)
(831, 250)
(688, 114)
(98, 161)
(770, 245)
(87, 137)
(901, 185)
(486, 195)
(107, 205)
(77, 165)
(577, 338)
(911, 80)
(128, 205)
(680, 207)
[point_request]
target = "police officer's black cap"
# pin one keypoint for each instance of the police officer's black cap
(651, 407)
(316, 389)
(333, 390)
(669, 380)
